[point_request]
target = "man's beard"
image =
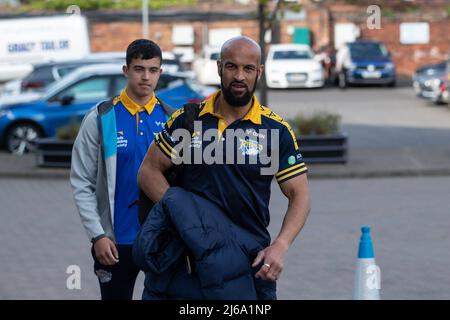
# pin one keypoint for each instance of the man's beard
(235, 101)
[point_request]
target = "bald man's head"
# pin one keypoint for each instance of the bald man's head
(241, 43)
(239, 68)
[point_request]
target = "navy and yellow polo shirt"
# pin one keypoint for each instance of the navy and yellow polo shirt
(136, 127)
(239, 188)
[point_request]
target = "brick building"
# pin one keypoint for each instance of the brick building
(319, 18)
(187, 30)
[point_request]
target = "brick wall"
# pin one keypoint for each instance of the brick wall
(116, 35)
(409, 57)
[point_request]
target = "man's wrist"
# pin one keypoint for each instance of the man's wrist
(282, 243)
(95, 239)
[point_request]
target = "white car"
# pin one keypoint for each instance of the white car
(205, 67)
(293, 66)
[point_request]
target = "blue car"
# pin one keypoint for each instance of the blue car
(27, 117)
(364, 62)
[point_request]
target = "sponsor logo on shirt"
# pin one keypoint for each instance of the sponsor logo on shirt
(291, 160)
(121, 141)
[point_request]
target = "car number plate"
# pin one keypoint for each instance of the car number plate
(371, 74)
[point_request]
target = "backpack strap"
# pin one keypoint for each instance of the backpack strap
(105, 106)
(167, 109)
(172, 175)
(191, 111)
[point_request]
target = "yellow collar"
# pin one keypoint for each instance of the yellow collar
(133, 107)
(254, 114)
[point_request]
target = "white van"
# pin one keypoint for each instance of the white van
(27, 41)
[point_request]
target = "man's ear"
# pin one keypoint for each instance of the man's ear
(261, 70)
(125, 71)
(219, 68)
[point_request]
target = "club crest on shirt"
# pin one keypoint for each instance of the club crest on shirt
(249, 147)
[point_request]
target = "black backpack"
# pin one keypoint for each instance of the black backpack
(191, 111)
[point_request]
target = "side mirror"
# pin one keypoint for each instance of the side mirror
(67, 100)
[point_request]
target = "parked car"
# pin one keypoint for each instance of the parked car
(205, 67)
(427, 78)
(35, 115)
(293, 66)
(45, 74)
(364, 62)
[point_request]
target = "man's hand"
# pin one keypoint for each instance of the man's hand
(273, 257)
(106, 252)
(296, 190)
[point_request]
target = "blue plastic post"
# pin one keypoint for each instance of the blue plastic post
(365, 244)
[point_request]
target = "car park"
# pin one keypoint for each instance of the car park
(293, 66)
(35, 115)
(364, 62)
(44, 74)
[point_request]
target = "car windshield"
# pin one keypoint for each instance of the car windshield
(368, 51)
(170, 61)
(292, 55)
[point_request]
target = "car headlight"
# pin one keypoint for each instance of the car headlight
(389, 66)
(350, 66)
(437, 82)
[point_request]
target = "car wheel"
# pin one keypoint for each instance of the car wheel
(392, 84)
(342, 81)
(20, 138)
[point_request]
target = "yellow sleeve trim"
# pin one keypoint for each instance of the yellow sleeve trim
(162, 147)
(289, 169)
(165, 143)
(170, 155)
(292, 174)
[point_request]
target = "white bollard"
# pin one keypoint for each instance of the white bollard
(368, 275)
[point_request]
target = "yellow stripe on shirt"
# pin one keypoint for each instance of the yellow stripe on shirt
(289, 169)
(280, 179)
(166, 144)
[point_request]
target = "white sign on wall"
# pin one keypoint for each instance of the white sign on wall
(183, 35)
(216, 37)
(414, 33)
